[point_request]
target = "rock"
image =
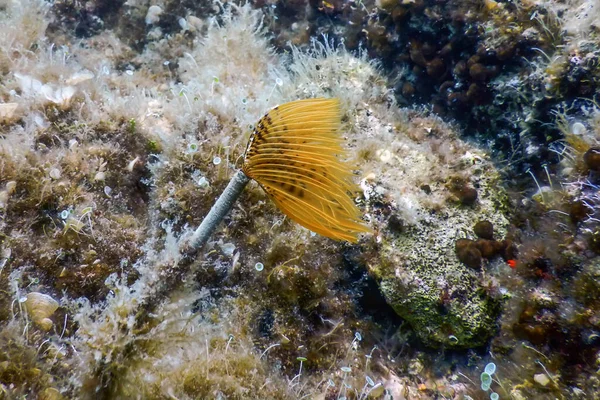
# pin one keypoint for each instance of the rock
(153, 15)
(541, 379)
(418, 271)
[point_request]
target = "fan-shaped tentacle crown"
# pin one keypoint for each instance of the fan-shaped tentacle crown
(293, 154)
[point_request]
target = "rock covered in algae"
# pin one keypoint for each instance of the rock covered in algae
(410, 191)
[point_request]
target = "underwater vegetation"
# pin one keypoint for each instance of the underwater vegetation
(462, 137)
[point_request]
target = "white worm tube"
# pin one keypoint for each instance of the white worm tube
(218, 211)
